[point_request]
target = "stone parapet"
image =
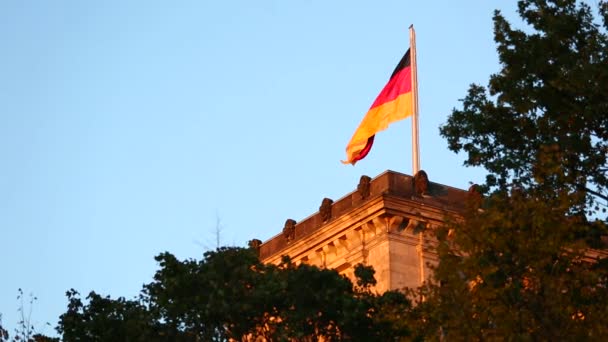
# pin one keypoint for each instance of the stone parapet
(390, 185)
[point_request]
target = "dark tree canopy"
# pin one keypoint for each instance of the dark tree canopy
(524, 263)
(519, 269)
(229, 294)
(543, 119)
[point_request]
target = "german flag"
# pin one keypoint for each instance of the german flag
(395, 102)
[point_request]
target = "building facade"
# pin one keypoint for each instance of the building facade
(384, 223)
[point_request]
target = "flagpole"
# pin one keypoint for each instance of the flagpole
(414, 75)
(415, 144)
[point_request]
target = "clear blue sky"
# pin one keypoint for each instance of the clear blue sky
(127, 128)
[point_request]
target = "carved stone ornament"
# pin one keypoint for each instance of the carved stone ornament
(416, 226)
(325, 209)
(289, 232)
(255, 244)
(421, 184)
(474, 196)
(364, 186)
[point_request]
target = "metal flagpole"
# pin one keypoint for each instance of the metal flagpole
(415, 145)
(414, 73)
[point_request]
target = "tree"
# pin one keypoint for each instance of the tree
(229, 294)
(517, 270)
(25, 330)
(521, 264)
(542, 120)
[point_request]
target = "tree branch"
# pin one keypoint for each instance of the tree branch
(605, 198)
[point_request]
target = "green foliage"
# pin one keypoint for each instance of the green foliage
(4, 336)
(365, 276)
(229, 294)
(106, 319)
(542, 120)
(519, 269)
(520, 265)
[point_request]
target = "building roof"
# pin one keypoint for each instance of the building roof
(390, 183)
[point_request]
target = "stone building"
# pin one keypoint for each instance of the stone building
(382, 224)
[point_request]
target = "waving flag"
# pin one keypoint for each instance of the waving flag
(395, 102)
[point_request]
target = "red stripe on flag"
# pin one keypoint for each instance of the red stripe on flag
(399, 84)
(364, 151)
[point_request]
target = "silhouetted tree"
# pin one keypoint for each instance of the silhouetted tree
(229, 294)
(521, 265)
